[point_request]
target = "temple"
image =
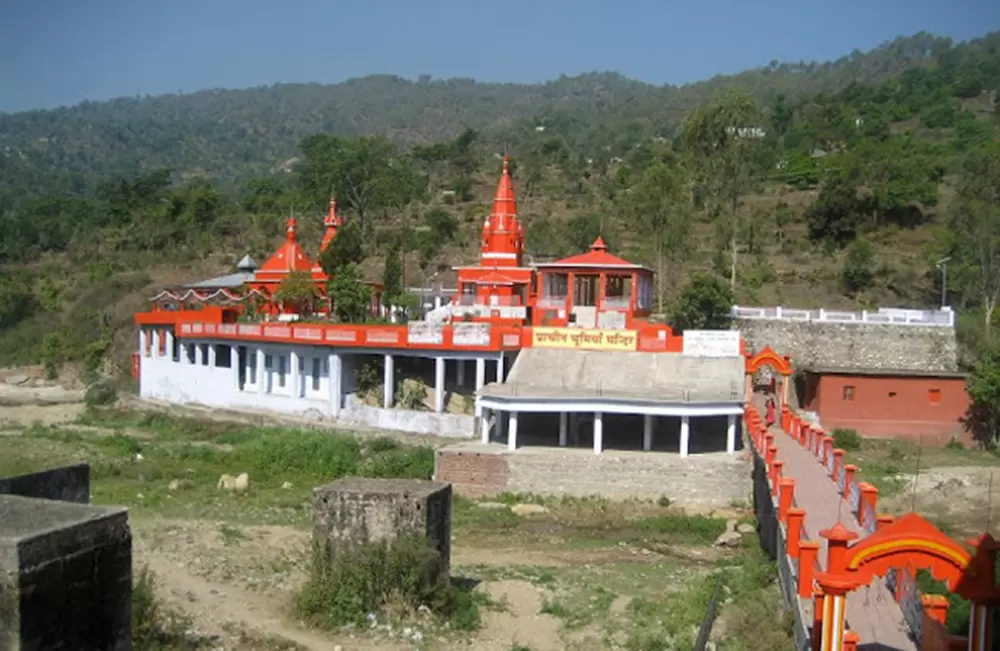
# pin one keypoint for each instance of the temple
(553, 354)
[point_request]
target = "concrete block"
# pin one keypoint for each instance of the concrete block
(65, 576)
(354, 511)
(67, 484)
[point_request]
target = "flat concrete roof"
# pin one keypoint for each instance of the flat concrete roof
(370, 486)
(23, 517)
(665, 378)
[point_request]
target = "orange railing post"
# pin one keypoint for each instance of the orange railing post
(867, 503)
(796, 516)
(776, 468)
(849, 471)
(786, 493)
(808, 553)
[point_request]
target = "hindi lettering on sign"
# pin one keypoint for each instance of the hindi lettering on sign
(712, 343)
(424, 333)
(578, 338)
(470, 334)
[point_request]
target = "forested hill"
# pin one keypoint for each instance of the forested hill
(232, 135)
(840, 187)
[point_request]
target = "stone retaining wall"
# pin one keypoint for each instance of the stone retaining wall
(699, 480)
(862, 346)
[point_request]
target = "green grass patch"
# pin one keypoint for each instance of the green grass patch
(149, 461)
(385, 579)
(889, 464)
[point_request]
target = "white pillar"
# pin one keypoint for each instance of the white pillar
(460, 374)
(685, 435)
(500, 369)
(480, 381)
(512, 432)
(731, 435)
(169, 348)
(439, 384)
(182, 349)
(562, 428)
(211, 355)
(484, 424)
(142, 342)
(389, 383)
(598, 432)
(198, 358)
(480, 373)
(154, 346)
(333, 386)
(293, 360)
(261, 372)
(647, 432)
(234, 365)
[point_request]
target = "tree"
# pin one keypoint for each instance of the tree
(582, 230)
(728, 154)
(983, 416)
(392, 275)
(976, 231)
(350, 297)
(837, 212)
(858, 273)
(367, 173)
(661, 205)
(298, 293)
(345, 249)
(705, 303)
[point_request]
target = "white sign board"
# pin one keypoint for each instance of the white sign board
(470, 334)
(712, 343)
(422, 332)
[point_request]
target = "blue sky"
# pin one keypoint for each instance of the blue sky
(58, 52)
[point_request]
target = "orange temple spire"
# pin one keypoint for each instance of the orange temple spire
(332, 222)
(503, 235)
(291, 229)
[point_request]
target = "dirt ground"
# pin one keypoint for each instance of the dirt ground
(230, 578)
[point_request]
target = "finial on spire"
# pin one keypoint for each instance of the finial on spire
(291, 228)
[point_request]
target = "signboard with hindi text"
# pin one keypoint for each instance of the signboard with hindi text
(581, 339)
(712, 343)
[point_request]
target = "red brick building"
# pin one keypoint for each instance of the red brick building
(899, 404)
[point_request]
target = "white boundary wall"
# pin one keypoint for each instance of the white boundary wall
(944, 317)
(206, 384)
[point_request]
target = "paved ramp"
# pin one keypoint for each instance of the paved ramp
(659, 376)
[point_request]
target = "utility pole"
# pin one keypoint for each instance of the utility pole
(942, 264)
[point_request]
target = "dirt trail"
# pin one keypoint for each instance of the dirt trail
(212, 606)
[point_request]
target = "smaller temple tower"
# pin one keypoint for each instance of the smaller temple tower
(331, 222)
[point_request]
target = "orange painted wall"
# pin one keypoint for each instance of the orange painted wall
(911, 412)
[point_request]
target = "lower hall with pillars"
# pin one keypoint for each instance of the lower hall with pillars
(612, 430)
(296, 378)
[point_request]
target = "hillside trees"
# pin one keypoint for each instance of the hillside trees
(975, 228)
(660, 201)
(368, 174)
(729, 158)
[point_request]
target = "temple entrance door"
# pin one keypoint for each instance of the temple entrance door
(585, 290)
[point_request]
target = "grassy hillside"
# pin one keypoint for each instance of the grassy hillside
(859, 184)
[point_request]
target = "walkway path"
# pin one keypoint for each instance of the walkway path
(872, 612)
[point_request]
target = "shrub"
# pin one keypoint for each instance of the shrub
(100, 393)
(153, 627)
(403, 574)
(691, 529)
(846, 439)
